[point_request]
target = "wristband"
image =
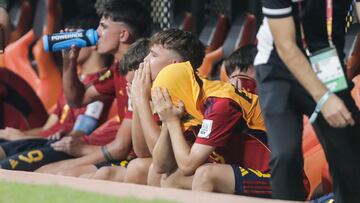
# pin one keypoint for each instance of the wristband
(319, 105)
(107, 154)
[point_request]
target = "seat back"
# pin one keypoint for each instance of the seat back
(48, 73)
(47, 82)
(16, 59)
(18, 94)
(314, 158)
(21, 19)
(214, 32)
(314, 161)
(184, 21)
(242, 32)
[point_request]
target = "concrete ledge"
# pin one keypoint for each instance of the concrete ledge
(124, 189)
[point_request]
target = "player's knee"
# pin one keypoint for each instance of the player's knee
(204, 178)
(153, 178)
(137, 172)
(169, 182)
(103, 173)
(70, 172)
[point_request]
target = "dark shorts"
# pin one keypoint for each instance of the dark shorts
(3, 140)
(33, 159)
(123, 163)
(251, 182)
(329, 198)
(14, 147)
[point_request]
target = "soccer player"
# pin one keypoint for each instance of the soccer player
(231, 126)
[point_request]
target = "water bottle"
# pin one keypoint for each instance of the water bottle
(88, 121)
(65, 40)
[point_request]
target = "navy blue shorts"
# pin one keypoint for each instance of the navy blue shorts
(33, 159)
(14, 147)
(251, 182)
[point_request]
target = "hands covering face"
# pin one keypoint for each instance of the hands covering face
(164, 106)
(141, 84)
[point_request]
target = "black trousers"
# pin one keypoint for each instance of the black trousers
(284, 102)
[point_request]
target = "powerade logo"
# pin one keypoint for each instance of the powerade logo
(67, 36)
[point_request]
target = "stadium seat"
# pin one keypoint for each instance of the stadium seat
(21, 107)
(47, 81)
(21, 19)
(314, 158)
(184, 21)
(242, 32)
(17, 119)
(214, 32)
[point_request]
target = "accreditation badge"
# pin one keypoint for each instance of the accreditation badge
(327, 67)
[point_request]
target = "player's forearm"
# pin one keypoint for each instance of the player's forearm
(74, 89)
(163, 155)
(180, 148)
(94, 158)
(150, 128)
(283, 31)
(301, 69)
(32, 132)
(138, 140)
(118, 150)
(89, 149)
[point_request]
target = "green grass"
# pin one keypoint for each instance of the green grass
(27, 193)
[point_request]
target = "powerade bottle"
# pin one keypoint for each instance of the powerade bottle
(65, 40)
(88, 121)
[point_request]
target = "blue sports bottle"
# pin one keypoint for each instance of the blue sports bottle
(88, 121)
(65, 40)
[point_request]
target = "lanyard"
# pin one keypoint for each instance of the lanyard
(329, 26)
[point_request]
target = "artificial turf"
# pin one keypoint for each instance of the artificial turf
(27, 193)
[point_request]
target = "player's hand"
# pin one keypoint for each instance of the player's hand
(11, 134)
(336, 113)
(71, 55)
(56, 136)
(130, 94)
(70, 145)
(164, 107)
(141, 85)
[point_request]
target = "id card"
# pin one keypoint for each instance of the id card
(327, 67)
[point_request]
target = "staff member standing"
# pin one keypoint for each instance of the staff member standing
(295, 37)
